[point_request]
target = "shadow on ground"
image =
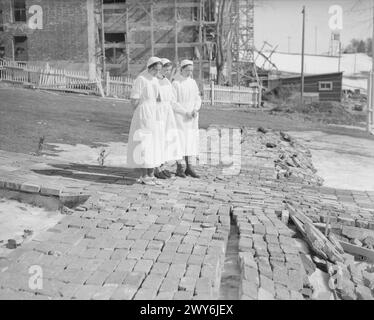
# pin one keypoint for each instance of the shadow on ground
(92, 173)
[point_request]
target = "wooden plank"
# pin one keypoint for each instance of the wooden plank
(179, 5)
(303, 218)
(157, 26)
(358, 251)
(128, 41)
(115, 6)
(298, 225)
(115, 45)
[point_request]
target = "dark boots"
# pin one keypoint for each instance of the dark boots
(159, 174)
(189, 170)
(180, 171)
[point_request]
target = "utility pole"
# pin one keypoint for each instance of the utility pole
(315, 39)
(370, 91)
(372, 44)
(289, 44)
(340, 55)
(302, 57)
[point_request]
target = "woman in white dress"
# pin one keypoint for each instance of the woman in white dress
(144, 144)
(168, 128)
(187, 117)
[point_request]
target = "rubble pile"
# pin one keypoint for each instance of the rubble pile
(351, 280)
(292, 161)
(294, 197)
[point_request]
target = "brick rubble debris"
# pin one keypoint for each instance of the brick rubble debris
(129, 241)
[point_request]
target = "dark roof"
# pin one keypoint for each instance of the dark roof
(313, 75)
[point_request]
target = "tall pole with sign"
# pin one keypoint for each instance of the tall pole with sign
(370, 91)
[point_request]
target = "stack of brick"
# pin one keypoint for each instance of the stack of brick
(271, 267)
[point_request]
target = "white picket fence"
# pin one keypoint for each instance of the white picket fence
(46, 77)
(119, 87)
(214, 94)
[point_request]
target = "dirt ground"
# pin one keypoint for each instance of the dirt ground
(26, 115)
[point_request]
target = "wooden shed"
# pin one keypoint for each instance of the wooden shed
(327, 86)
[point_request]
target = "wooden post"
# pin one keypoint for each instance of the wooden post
(103, 38)
(370, 91)
(212, 93)
(302, 57)
(91, 39)
(127, 42)
(107, 83)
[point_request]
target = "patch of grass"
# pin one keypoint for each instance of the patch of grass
(26, 115)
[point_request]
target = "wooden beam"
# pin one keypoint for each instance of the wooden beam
(103, 37)
(121, 45)
(157, 26)
(128, 41)
(179, 5)
(114, 6)
(91, 39)
(358, 251)
(166, 45)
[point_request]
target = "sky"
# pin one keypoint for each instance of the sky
(279, 22)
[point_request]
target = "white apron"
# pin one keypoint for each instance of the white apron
(188, 98)
(144, 143)
(169, 132)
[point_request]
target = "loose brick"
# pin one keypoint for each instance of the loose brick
(123, 293)
(98, 278)
(116, 277)
(30, 187)
(104, 293)
(187, 284)
(145, 294)
(85, 292)
(160, 268)
(249, 288)
(203, 286)
(143, 266)
(126, 265)
(169, 285)
(134, 279)
(152, 282)
(183, 295)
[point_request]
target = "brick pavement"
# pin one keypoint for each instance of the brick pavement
(130, 241)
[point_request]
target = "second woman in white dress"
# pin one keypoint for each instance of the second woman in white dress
(170, 142)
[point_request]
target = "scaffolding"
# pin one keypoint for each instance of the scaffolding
(173, 29)
(177, 29)
(243, 63)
